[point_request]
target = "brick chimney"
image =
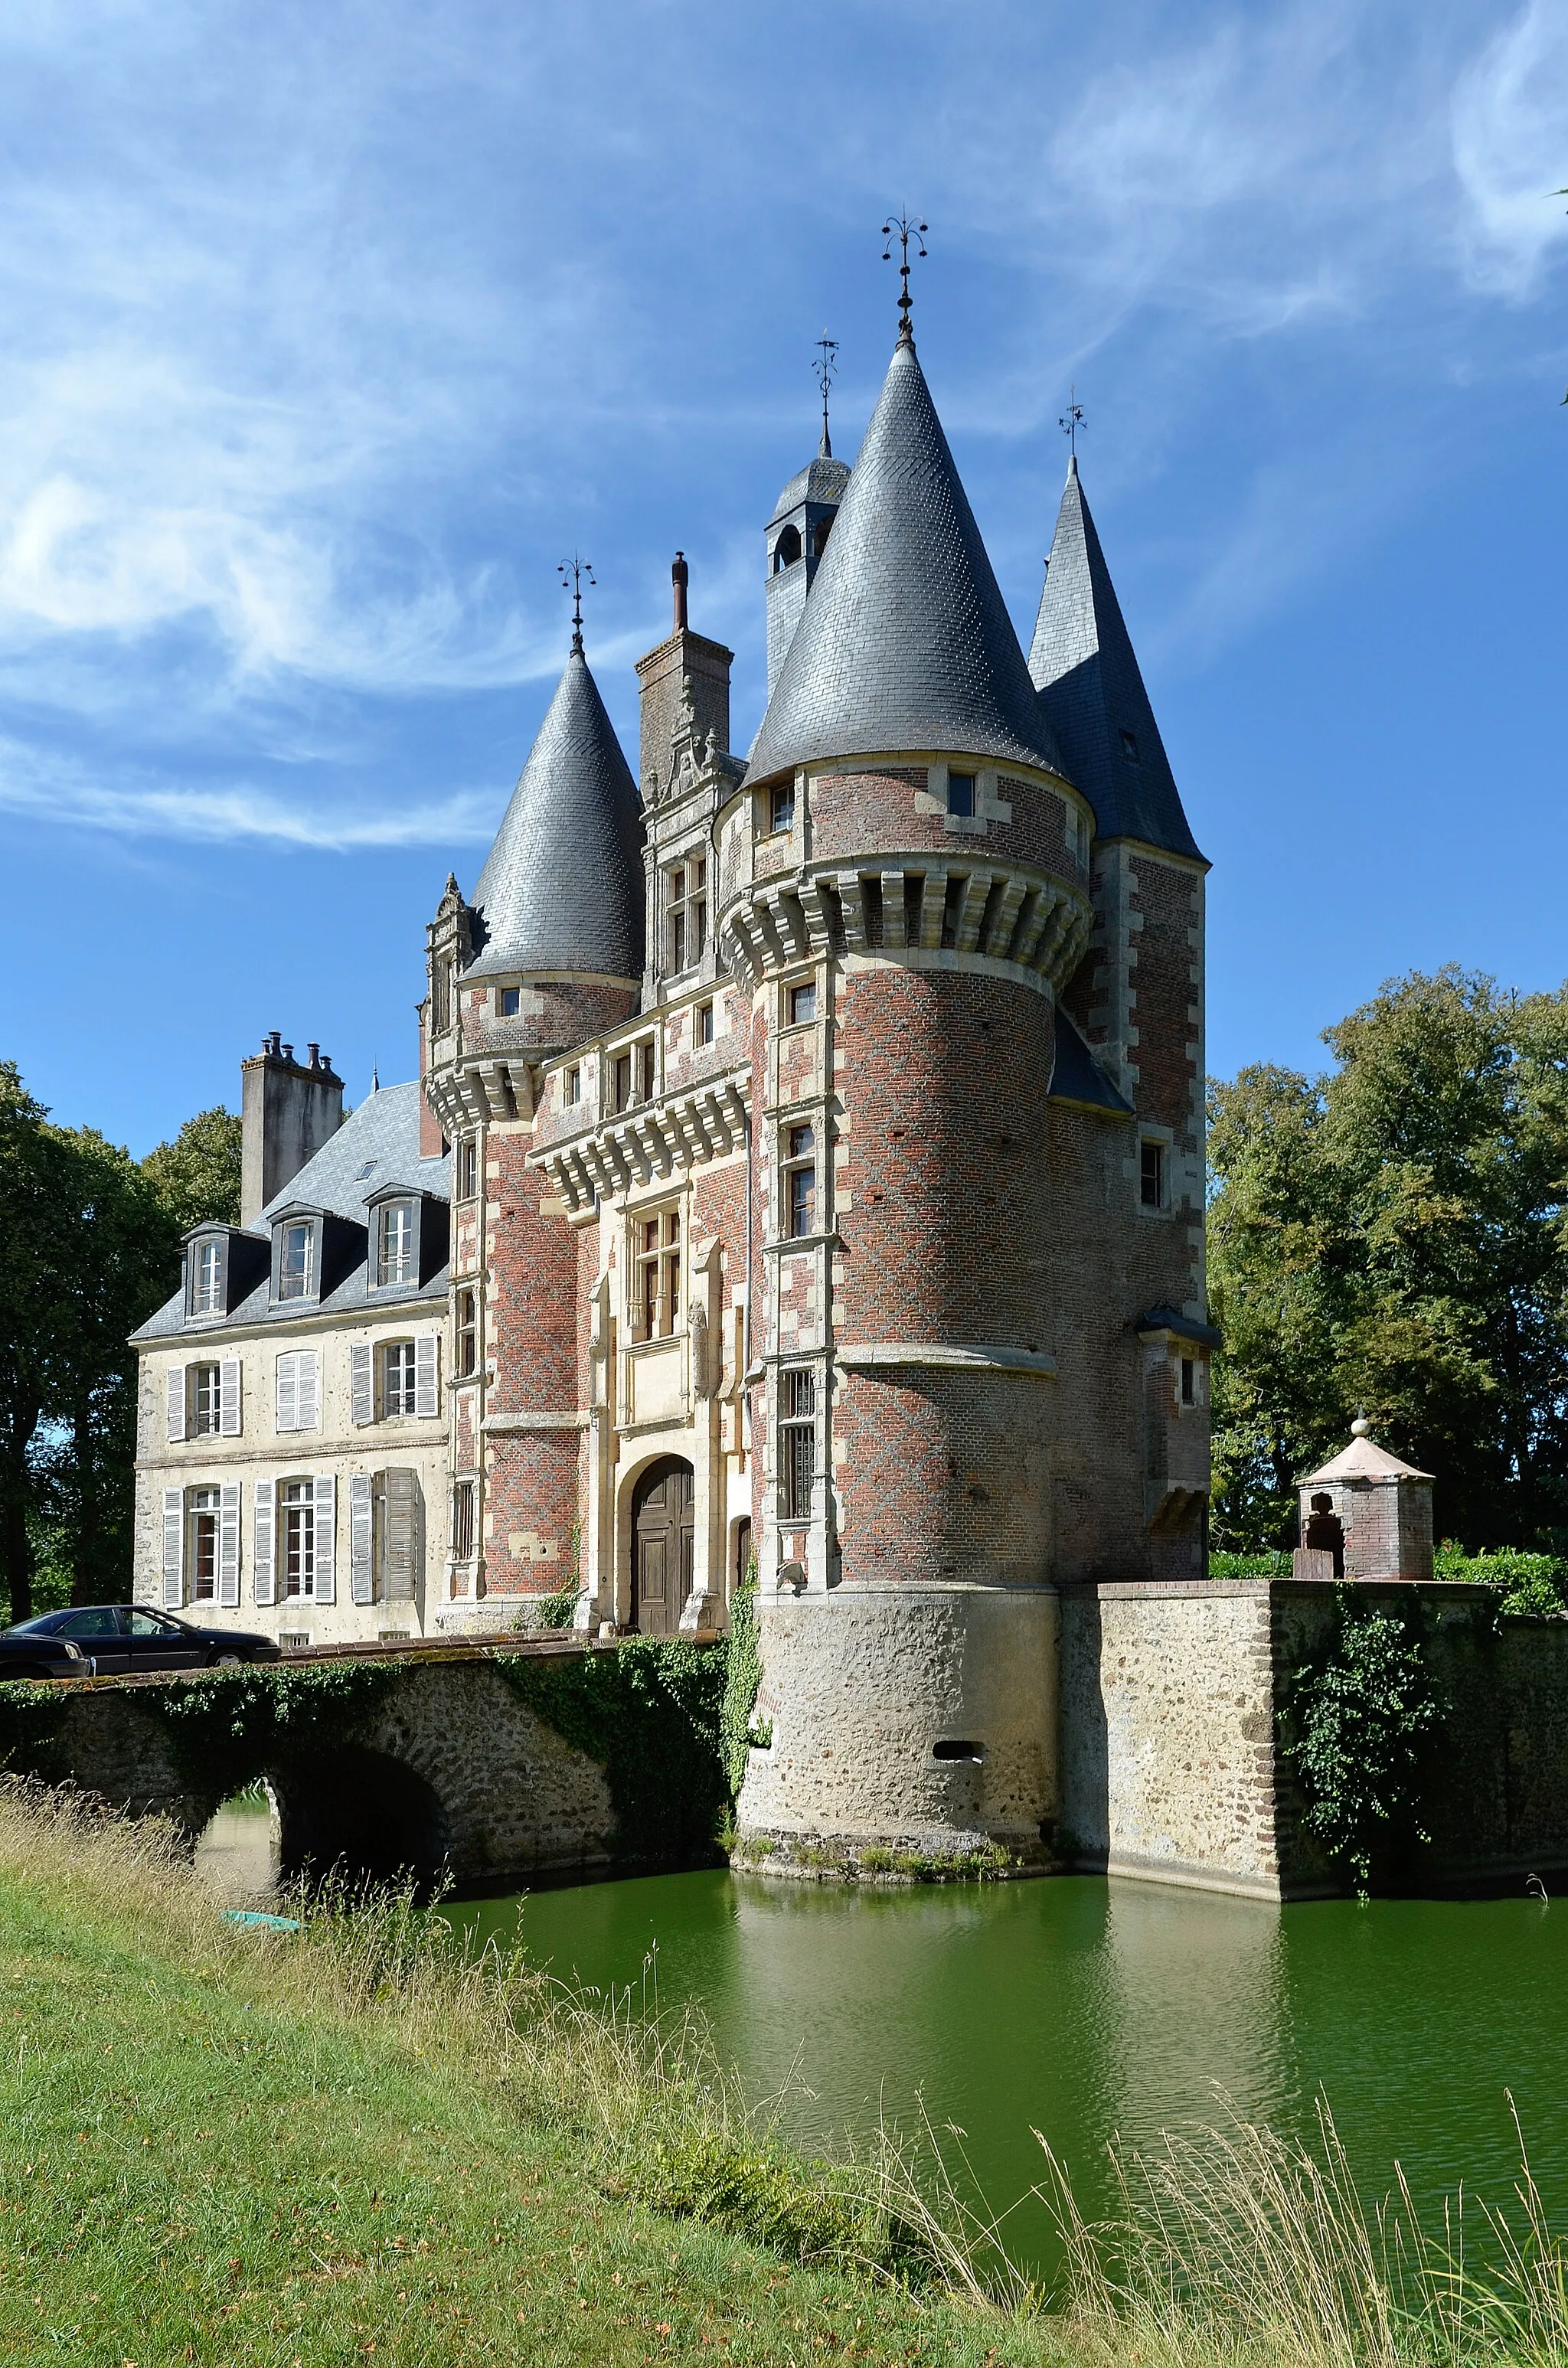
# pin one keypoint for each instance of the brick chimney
(289, 1109)
(685, 656)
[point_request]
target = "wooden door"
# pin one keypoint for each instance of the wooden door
(663, 1546)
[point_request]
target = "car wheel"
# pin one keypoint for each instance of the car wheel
(229, 1661)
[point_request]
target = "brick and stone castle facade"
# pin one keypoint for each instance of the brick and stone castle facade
(821, 1133)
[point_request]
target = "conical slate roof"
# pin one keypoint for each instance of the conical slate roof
(1092, 694)
(562, 888)
(905, 642)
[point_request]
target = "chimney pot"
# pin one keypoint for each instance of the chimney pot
(680, 577)
(288, 1051)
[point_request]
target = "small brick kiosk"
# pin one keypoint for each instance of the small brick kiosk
(1366, 1515)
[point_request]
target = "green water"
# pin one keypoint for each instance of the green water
(1086, 2009)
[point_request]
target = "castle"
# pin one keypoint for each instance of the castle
(806, 1171)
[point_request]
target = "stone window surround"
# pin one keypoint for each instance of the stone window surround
(1164, 1136)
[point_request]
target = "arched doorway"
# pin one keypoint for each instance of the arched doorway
(662, 1545)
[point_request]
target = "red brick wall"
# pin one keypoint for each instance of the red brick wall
(856, 814)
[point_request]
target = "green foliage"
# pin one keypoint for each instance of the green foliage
(742, 1679)
(1358, 1718)
(649, 1712)
(1276, 1564)
(225, 1726)
(197, 1175)
(1392, 1234)
(1532, 1583)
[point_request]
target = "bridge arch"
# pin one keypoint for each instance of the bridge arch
(361, 1816)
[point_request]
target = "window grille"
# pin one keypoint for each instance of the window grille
(398, 1378)
(797, 1439)
(658, 1273)
(801, 1182)
(462, 1520)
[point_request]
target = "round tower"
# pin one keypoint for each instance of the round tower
(916, 870)
(548, 954)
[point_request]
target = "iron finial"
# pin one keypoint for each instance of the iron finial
(899, 226)
(825, 372)
(1071, 420)
(574, 574)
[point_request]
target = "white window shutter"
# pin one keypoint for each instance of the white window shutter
(309, 1411)
(229, 1399)
(362, 1538)
(400, 1535)
(427, 1350)
(177, 1401)
(229, 1546)
(287, 1394)
(362, 1378)
(174, 1548)
(264, 1580)
(326, 1535)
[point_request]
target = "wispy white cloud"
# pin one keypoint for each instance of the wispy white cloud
(1510, 149)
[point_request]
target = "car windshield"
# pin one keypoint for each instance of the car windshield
(44, 1624)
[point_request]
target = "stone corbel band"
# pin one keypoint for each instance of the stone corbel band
(952, 1356)
(504, 1422)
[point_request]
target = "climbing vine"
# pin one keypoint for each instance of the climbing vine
(650, 1713)
(1360, 1716)
(743, 1679)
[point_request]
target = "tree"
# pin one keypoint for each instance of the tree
(197, 1175)
(29, 1183)
(1393, 1235)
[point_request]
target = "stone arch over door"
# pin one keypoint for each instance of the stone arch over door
(663, 1545)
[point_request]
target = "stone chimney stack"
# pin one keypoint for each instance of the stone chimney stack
(289, 1109)
(684, 657)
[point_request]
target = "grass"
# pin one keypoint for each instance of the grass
(221, 2144)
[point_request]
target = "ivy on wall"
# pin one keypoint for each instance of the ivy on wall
(742, 1679)
(1359, 1717)
(650, 1713)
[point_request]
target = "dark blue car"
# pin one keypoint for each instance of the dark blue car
(117, 1640)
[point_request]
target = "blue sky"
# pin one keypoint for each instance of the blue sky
(324, 334)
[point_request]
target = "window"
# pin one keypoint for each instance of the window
(1129, 747)
(702, 1032)
(206, 1401)
(801, 1182)
(658, 1273)
(440, 998)
(1152, 1176)
(462, 1520)
(297, 1391)
(398, 1378)
(803, 1003)
(574, 1085)
(509, 1002)
(203, 1547)
(786, 549)
(296, 1260)
(645, 1071)
(960, 793)
(1188, 1381)
(296, 1500)
(207, 1279)
(781, 808)
(395, 1261)
(797, 1441)
(620, 1081)
(467, 1167)
(686, 909)
(820, 533)
(467, 1333)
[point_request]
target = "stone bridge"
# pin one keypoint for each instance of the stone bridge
(490, 1766)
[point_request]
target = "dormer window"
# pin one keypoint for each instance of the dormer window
(207, 1278)
(295, 1260)
(397, 1253)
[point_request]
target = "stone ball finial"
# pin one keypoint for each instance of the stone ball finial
(1360, 1428)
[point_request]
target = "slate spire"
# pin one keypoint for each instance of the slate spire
(562, 890)
(905, 642)
(1092, 693)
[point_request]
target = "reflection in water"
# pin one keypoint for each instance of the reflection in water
(1086, 2009)
(237, 1856)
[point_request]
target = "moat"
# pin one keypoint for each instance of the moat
(1086, 2007)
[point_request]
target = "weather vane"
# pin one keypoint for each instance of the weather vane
(572, 577)
(1071, 420)
(825, 372)
(899, 226)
